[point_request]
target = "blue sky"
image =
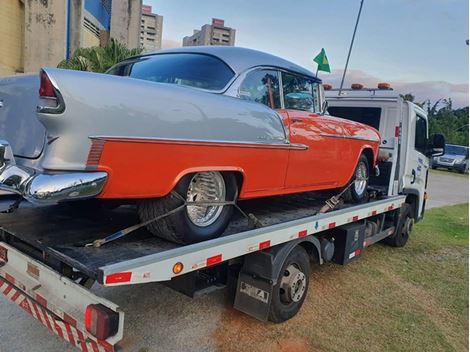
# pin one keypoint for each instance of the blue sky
(415, 44)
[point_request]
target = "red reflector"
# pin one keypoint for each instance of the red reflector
(46, 90)
(264, 245)
(3, 255)
(374, 212)
(214, 260)
(101, 321)
(355, 218)
(303, 233)
(391, 207)
(397, 131)
(41, 300)
(331, 225)
(10, 278)
(119, 277)
(357, 252)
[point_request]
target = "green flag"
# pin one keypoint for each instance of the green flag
(322, 61)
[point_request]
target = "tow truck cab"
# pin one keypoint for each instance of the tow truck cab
(398, 121)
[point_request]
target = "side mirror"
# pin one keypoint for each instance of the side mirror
(437, 145)
(324, 108)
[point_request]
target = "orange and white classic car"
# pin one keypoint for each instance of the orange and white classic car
(201, 125)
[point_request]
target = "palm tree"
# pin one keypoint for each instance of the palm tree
(99, 59)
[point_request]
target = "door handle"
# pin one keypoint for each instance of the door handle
(413, 175)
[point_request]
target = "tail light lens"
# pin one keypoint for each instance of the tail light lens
(46, 90)
(101, 321)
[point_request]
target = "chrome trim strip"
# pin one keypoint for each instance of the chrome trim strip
(211, 143)
(348, 137)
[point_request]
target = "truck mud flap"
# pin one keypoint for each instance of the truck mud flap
(55, 301)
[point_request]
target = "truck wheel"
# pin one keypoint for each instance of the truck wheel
(404, 227)
(194, 223)
(291, 287)
(357, 192)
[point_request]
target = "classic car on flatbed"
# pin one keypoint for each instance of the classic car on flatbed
(207, 125)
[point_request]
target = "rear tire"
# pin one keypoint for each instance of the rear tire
(291, 288)
(193, 223)
(357, 192)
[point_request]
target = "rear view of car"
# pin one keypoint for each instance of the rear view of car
(454, 158)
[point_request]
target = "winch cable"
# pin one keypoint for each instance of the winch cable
(330, 204)
(121, 233)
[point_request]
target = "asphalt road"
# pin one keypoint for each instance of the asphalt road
(159, 319)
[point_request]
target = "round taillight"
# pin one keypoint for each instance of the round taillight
(384, 85)
(327, 86)
(356, 86)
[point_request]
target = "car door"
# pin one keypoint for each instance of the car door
(315, 166)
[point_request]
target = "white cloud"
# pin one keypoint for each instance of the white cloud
(433, 90)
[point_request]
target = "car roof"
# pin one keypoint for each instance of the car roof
(239, 59)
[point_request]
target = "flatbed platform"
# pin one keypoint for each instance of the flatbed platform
(60, 232)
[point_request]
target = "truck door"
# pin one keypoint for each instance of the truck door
(417, 163)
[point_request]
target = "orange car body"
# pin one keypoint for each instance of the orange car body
(322, 154)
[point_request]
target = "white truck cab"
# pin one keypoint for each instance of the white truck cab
(405, 147)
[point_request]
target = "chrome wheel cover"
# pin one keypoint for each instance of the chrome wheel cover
(205, 187)
(360, 181)
(293, 285)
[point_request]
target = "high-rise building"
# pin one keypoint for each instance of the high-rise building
(37, 33)
(211, 34)
(150, 29)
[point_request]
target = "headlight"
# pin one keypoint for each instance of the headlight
(459, 161)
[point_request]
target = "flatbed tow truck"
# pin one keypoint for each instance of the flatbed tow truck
(48, 262)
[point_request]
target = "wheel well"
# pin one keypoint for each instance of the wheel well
(238, 177)
(311, 250)
(412, 200)
(369, 155)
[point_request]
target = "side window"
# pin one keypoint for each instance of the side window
(421, 135)
(300, 93)
(262, 86)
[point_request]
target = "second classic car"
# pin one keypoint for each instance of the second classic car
(205, 125)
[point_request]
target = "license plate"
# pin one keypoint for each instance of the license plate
(3, 256)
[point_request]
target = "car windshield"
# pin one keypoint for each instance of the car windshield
(193, 70)
(455, 150)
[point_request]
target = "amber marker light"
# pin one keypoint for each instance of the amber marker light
(178, 268)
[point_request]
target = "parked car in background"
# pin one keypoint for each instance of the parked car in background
(201, 124)
(455, 158)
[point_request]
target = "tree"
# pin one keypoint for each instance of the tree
(99, 59)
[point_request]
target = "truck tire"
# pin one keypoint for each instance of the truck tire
(357, 192)
(405, 224)
(193, 223)
(291, 288)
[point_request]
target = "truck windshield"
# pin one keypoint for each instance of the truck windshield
(194, 70)
(455, 150)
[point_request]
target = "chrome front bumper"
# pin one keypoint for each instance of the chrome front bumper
(42, 188)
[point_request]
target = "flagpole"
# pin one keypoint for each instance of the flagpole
(316, 74)
(350, 47)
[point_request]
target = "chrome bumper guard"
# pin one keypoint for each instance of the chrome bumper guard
(41, 188)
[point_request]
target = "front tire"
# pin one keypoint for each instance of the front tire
(357, 192)
(193, 223)
(404, 227)
(292, 285)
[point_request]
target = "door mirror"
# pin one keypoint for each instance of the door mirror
(324, 108)
(437, 145)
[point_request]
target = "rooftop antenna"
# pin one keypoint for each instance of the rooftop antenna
(350, 47)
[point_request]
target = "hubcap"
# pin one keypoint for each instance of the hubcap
(360, 181)
(205, 187)
(293, 285)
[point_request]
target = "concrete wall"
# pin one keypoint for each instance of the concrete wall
(45, 33)
(11, 37)
(125, 22)
(76, 24)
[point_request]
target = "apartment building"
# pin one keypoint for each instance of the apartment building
(211, 34)
(151, 26)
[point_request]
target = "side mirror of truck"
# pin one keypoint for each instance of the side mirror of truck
(437, 145)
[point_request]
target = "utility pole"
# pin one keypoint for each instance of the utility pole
(350, 47)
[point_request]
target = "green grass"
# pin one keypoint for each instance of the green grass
(394, 299)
